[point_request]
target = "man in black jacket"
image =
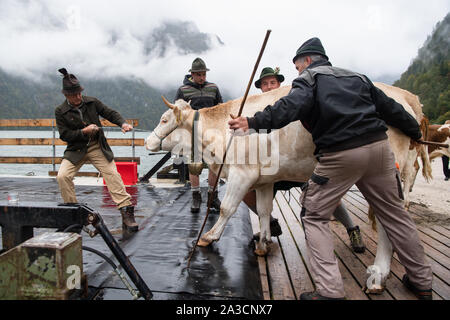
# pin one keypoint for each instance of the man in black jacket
(347, 116)
(271, 79)
(201, 94)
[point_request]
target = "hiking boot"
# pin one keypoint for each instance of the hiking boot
(196, 201)
(128, 222)
(420, 294)
(356, 240)
(215, 203)
(275, 228)
(315, 296)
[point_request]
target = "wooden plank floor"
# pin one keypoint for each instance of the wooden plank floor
(285, 270)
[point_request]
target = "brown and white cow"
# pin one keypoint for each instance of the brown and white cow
(434, 133)
(439, 133)
(292, 147)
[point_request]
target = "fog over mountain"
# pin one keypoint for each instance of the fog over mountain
(153, 43)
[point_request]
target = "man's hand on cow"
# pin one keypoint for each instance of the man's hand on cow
(126, 127)
(238, 124)
(416, 143)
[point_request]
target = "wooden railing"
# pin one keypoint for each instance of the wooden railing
(54, 160)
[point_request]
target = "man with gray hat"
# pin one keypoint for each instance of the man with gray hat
(79, 125)
(201, 94)
(347, 117)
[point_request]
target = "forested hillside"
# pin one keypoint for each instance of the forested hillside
(22, 98)
(428, 76)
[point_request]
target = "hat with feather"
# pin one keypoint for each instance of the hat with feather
(70, 83)
(266, 72)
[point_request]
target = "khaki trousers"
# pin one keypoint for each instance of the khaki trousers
(108, 170)
(372, 168)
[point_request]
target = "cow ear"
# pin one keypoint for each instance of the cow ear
(178, 114)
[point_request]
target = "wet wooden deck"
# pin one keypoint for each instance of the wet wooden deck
(285, 271)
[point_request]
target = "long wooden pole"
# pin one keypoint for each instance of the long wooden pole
(432, 143)
(229, 142)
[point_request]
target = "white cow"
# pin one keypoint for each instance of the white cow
(292, 144)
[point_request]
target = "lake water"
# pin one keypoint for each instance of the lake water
(147, 161)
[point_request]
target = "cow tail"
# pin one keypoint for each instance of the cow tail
(426, 168)
(423, 151)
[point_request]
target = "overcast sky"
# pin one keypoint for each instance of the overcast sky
(376, 38)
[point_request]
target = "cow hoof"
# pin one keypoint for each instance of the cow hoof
(375, 289)
(261, 253)
(203, 243)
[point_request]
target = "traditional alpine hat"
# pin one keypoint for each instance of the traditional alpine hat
(266, 72)
(70, 83)
(312, 46)
(198, 65)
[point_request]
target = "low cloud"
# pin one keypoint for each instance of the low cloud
(114, 38)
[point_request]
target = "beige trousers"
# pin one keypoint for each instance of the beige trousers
(372, 169)
(113, 180)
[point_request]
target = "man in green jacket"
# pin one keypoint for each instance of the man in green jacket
(201, 94)
(79, 125)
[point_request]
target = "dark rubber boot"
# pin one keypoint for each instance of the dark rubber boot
(356, 240)
(128, 222)
(215, 204)
(196, 201)
(420, 294)
(315, 296)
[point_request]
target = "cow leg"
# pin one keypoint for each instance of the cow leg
(379, 271)
(409, 175)
(414, 175)
(238, 184)
(264, 205)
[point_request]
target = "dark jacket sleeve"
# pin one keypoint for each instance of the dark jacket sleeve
(65, 133)
(218, 97)
(298, 103)
(179, 95)
(109, 114)
(394, 114)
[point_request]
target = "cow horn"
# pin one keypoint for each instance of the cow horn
(168, 104)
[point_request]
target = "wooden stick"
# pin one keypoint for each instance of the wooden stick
(229, 142)
(431, 143)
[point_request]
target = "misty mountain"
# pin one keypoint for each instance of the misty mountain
(184, 36)
(428, 76)
(31, 98)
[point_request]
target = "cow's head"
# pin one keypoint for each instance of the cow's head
(166, 135)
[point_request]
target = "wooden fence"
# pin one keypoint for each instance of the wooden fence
(53, 142)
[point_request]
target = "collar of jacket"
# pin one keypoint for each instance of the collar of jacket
(190, 82)
(319, 63)
(67, 107)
